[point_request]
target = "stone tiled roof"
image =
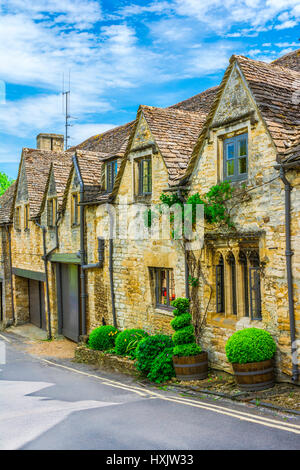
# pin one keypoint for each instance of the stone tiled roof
(200, 103)
(37, 165)
(90, 167)
(290, 60)
(175, 132)
(6, 202)
(61, 168)
(292, 154)
(91, 170)
(276, 92)
(112, 142)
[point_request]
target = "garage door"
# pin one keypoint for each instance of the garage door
(37, 303)
(70, 308)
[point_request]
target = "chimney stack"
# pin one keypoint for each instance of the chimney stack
(50, 142)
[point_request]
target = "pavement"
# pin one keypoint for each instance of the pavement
(53, 403)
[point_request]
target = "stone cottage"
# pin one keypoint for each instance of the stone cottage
(66, 268)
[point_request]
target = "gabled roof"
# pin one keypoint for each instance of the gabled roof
(6, 202)
(275, 91)
(37, 165)
(90, 166)
(112, 142)
(290, 60)
(175, 132)
(61, 169)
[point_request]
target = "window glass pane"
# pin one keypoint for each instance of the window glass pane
(149, 176)
(242, 165)
(255, 293)
(233, 284)
(162, 287)
(75, 209)
(171, 286)
(109, 176)
(242, 147)
(230, 168)
(145, 175)
(230, 151)
(115, 167)
(220, 286)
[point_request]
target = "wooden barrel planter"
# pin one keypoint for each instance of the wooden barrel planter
(191, 367)
(254, 376)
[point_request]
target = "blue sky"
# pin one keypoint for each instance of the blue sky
(122, 54)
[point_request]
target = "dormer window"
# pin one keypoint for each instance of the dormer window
(51, 212)
(26, 217)
(145, 176)
(111, 173)
(18, 218)
(236, 158)
(75, 216)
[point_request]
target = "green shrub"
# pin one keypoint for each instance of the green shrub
(103, 337)
(185, 335)
(128, 340)
(181, 321)
(148, 350)
(181, 304)
(162, 368)
(250, 345)
(187, 350)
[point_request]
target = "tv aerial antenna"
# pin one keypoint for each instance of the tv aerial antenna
(66, 109)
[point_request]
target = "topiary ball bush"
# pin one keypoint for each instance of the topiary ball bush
(192, 349)
(181, 321)
(148, 350)
(181, 304)
(128, 340)
(103, 337)
(185, 335)
(250, 345)
(162, 368)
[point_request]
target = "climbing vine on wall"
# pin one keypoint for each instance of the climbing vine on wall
(214, 202)
(216, 212)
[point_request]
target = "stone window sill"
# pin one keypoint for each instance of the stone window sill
(219, 319)
(164, 311)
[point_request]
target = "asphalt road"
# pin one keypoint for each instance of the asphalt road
(48, 405)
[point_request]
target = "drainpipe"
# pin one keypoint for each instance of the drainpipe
(100, 256)
(288, 254)
(110, 265)
(44, 258)
(82, 250)
(11, 274)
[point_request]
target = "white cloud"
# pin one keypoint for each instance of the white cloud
(41, 39)
(286, 44)
(79, 13)
(287, 24)
(220, 16)
(81, 132)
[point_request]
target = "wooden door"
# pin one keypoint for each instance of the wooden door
(70, 308)
(37, 303)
